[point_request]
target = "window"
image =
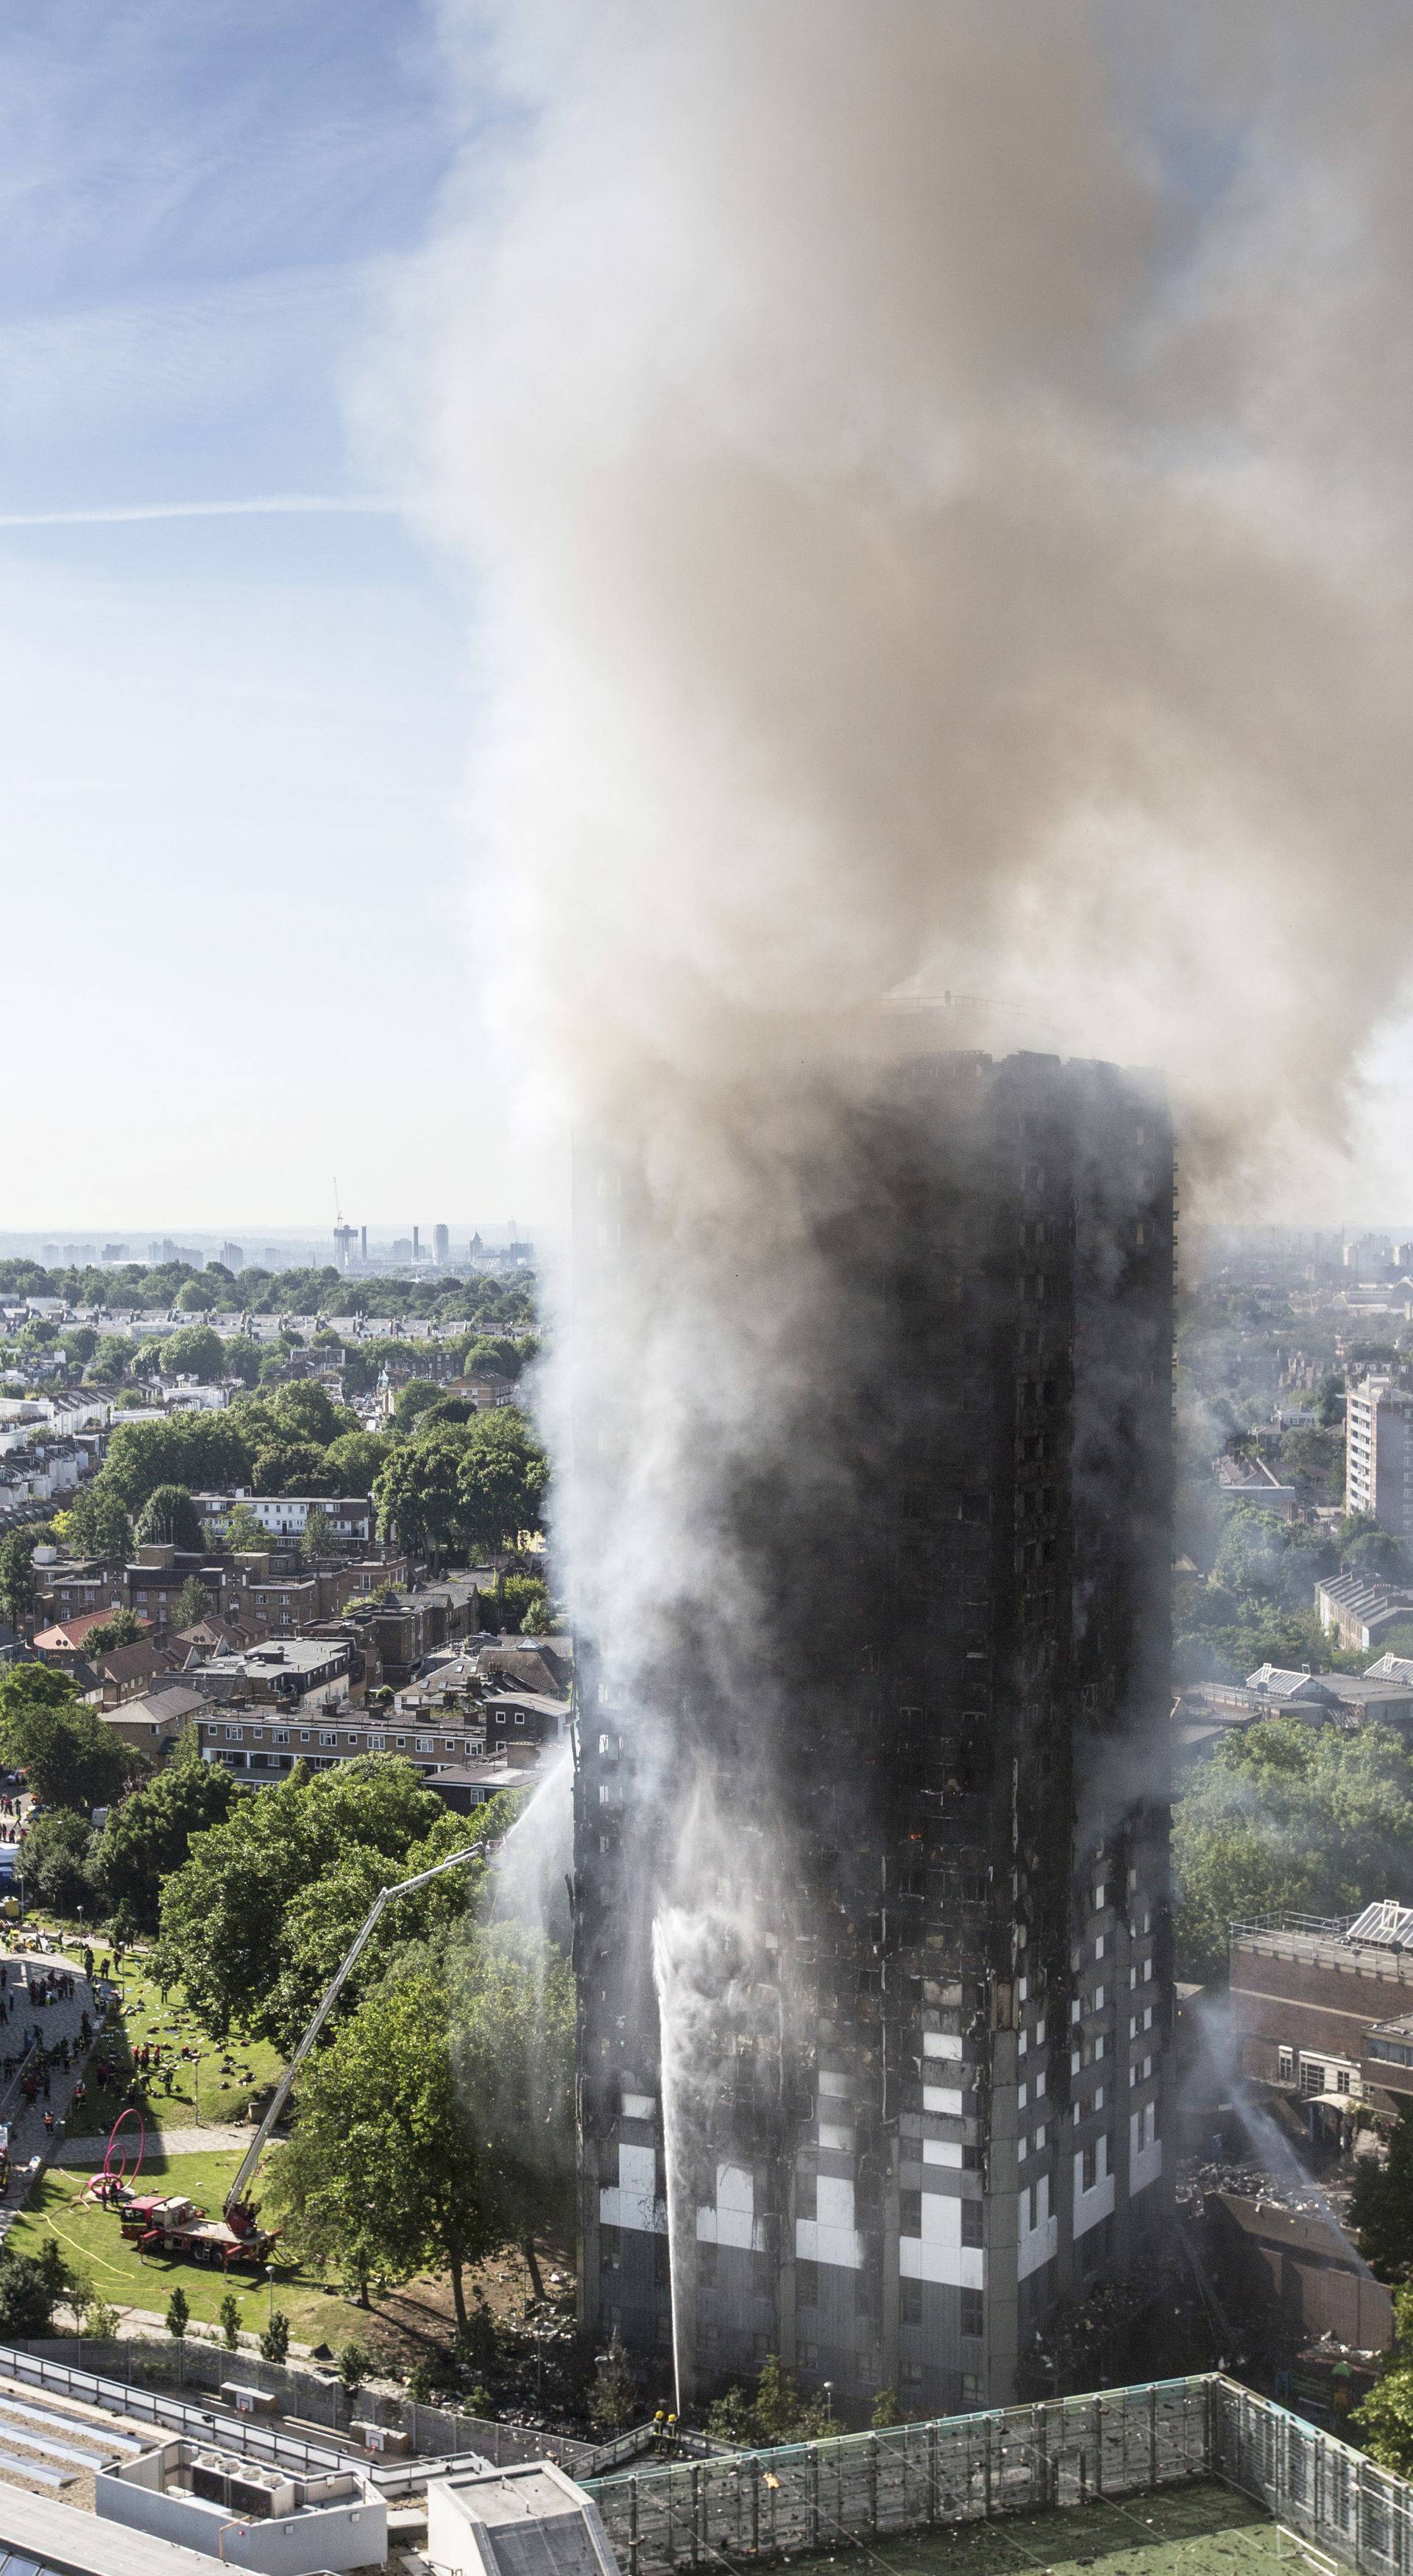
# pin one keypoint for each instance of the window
(910, 2303)
(1312, 2075)
(304, 1735)
(328, 1739)
(424, 1744)
(401, 1742)
(1089, 2168)
(973, 2222)
(973, 2318)
(520, 1717)
(706, 2267)
(279, 1735)
(1342, 2079)
(910, 2213)
(807, 2285)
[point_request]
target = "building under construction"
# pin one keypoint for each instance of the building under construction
(920, 2100)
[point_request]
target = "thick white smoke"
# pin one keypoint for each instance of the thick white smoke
(939, 482)
(937, 475)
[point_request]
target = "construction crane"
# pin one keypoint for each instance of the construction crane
(238, 2213)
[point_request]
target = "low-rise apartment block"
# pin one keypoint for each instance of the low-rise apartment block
(1324, 2008)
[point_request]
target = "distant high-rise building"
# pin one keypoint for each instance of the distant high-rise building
(363, 1243)
(115, 1252)
(441, 1244)
(233, 1256)
(1378, 1453)
(918, 2098)
(51, 1253)
(416, 1243)
(345, 1237)
(402, 1249)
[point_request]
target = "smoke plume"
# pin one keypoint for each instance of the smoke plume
(938, 480)
(936, 477)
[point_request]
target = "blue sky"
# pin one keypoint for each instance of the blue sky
(242, 940)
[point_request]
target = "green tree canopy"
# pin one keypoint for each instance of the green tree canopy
(196, 1297)
(355, 1458)
(418, 1491)
(109, 1363)
(1287, 1817)
(504, 1477)
(292, 1467)
(195, 1350)
(97, 1523)
(192, 1603)
(412, 1400)
(243, 1529)
(413, 2146)
(57, 1859)
(257, 1918)
(169, 1518)
(67, 1754)
(147, 1838)
(120, 1628)
(241, 1358)
(17, 1586)
(205, 1452)
(1384, 2423)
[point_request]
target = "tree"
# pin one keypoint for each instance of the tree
(244, 1531)
(1381, 2209)
(57, 1856)
(120, 1628)
(355, 1458)
(504, 1475)
(228, 2319)
(886, 2410)
(109, 1364)
(195, 1297)
(383, 2172)
(613, 2399)
(17, 1575)
(178, 2313)
(291, 1467)
(355, 2363)
(205, 1452)
(274, 2342)
(67, 1754)
(97, 1523)
(1385, 2420)
(147, 1838)
(193, 1603)
(195, 1351)
(1287, 1817)
(169, 1518)
(28, 2297)
(454, 1409)
(256, 1919)
(412, 1400)
(418, 1492)
(307, 1412)
(513, 2045)
(776, 2414)
(316, 1538)
(241, 1358)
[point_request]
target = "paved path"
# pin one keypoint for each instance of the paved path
(29, 2144)
(173, 2142)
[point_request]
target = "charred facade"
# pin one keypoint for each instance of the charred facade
(906, 1823)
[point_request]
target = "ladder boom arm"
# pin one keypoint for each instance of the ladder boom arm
(327, 2001)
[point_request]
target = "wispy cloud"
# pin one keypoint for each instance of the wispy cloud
(274, 505)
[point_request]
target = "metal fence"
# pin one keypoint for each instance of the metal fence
(1064, 2452)
(1312, 2481)
(962, 2468)
(190, 2364)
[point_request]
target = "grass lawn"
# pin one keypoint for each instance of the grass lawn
(217, 2087)
(1199, 2530)
(90, 2236)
